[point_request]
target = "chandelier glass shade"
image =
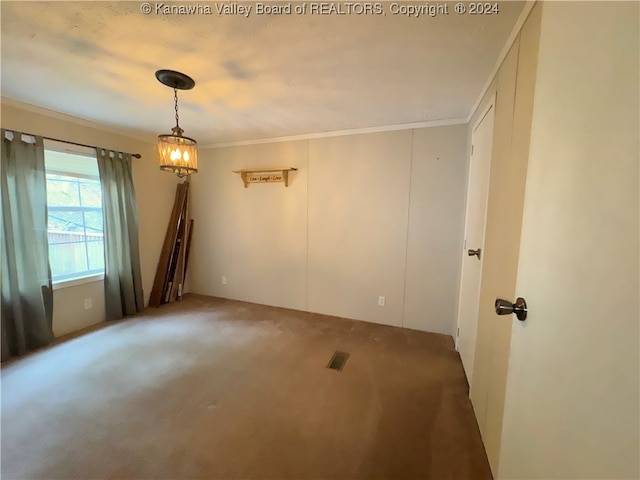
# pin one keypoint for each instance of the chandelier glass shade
(176, 153)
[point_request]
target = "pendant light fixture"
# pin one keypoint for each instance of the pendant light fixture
(177, 153)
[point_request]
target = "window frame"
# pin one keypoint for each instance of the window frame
(88, 276)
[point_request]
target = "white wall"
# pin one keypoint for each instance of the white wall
(154, 191)
(571, 408)
(69, 313)
(364, 216)
(436, 228)
(256, 237)
(358, 214)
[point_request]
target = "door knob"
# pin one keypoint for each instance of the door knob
(475, 252)
(505, 307)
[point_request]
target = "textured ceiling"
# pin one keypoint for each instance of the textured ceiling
(260, 76)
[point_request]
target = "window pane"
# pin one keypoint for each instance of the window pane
(90, 193)
(93, 222)
(63, 221)
(62, 190)
(96, 253)
(67, 259)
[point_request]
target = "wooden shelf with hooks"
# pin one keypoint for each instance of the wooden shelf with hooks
(265, 175)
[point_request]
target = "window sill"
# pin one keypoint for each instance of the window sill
(73, 282)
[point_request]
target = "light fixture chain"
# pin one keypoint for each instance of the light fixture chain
(175, 99)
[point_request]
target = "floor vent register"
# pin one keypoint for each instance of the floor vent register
(338, 360)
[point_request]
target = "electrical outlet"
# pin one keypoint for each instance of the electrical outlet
(88, 303)
(381, 301)
(224, 280)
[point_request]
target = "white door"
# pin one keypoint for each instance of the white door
(572, 397)
(479, 169)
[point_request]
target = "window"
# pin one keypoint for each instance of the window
(74, 204)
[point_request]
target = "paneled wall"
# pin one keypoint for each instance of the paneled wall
(365, 216)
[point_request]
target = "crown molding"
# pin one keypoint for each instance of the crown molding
(10, 102)
(340, 133)
(524, 14)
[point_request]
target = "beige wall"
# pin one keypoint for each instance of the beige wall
(358, 214)
(365, 216)
(69, 312)
(154, 190)
(255, 237)
(572, 398)
(436, 228)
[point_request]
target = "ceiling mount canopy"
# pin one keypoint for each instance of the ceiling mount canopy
(174, 79)
(177, 153)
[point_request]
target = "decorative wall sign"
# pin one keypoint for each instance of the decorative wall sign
(265, 175)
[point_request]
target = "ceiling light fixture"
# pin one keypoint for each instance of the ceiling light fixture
(177, 153)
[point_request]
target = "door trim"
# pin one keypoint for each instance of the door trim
(490, 103)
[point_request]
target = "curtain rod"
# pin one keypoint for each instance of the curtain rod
(136, 155)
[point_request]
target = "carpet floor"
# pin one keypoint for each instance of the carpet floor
(213, 388)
